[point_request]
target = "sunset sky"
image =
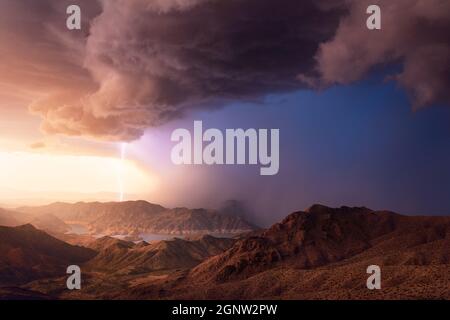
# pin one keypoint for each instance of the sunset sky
(364, 116)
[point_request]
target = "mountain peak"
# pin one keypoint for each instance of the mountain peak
(321, 209)
(305, 239)
(26, 227)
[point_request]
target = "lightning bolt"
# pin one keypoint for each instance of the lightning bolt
(121, 169)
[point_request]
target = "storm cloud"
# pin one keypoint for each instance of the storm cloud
(140, 63)
(414, 33)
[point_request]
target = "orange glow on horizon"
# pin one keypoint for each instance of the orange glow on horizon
(27, 172)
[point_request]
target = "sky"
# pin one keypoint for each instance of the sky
(364, 116)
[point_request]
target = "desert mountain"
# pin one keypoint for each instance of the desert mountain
(27, 254)
(135, 217)
(323, 235)
(319, 236)
(319, 253)
(126, 257)
(47, 222)
(323, 253)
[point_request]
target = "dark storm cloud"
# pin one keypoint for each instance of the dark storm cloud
(140, 63)
(154, 60)
(36, 52)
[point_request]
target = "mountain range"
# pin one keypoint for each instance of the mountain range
(45, 221)
(319, 253)
(138, 217)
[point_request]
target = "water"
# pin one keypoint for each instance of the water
(149, 237)
(80, 229)
(77, 229)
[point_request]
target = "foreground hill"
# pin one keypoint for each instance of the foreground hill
(136, 217)
(119, 256)
(119, 264)
(27, 254)
(323, 253)
(15, 293)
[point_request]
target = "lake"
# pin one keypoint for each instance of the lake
(79, 229)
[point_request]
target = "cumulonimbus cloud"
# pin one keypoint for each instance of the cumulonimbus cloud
(140, 63)
(155, 60)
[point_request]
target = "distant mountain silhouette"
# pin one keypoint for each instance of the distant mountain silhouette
(8, 218)
(135, 217)
(47, 222)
